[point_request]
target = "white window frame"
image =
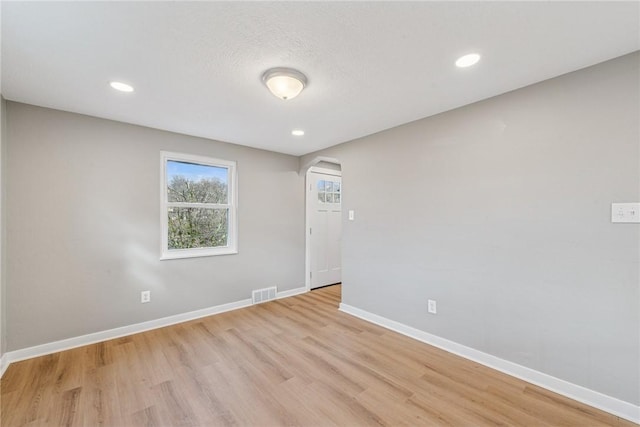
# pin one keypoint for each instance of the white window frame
(231, 205)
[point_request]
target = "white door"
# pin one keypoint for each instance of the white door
(325, 226)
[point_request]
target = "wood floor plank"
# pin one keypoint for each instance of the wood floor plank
(298, 361)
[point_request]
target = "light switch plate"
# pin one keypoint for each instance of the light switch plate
(352, 215)
(625, 212)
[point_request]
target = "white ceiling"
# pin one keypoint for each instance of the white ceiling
(197, 66)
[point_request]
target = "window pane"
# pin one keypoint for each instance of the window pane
(336, 198)
(195, 183)
(197, 228)
(336, 187)
(329, 197)
(320, 186)
(321, 197)
(329, 186)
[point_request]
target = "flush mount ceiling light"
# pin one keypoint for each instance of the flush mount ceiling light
(122, 87)
(285, 83)
(297, 132)
(468, 60)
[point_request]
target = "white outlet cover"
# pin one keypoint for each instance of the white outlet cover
(432, 306)
(625, 212)
(145, 296)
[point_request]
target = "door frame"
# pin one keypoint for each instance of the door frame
(307, 216)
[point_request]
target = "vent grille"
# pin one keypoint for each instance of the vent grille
(262, 295)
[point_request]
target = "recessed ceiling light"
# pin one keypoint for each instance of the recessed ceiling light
(122, 87)
(468, 60)
(297, 132)
(285, 83)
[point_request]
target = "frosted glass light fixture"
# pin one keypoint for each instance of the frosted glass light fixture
(285, 83)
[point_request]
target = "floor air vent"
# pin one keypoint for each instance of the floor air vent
(262, 295)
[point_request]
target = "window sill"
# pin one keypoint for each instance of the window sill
(195, 253)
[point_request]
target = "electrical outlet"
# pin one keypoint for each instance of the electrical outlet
(431, 306)
(145, 296)
(625, 212)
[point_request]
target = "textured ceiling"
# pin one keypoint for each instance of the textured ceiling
(196, 66)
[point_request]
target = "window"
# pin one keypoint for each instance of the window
(198, 202)
(328, 191)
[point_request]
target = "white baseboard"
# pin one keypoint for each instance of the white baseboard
(67, 344)
(4, 364)
(598, 400)
(291, 292)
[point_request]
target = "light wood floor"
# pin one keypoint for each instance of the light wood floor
(296, 361)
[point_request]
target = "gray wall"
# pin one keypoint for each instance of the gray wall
(83, 227)
(3, 311)
(500, 211)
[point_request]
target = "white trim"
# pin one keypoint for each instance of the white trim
(589, 397)
(232, 206)
(197, 252)
(315, 161)
(325, 171)
(292, 292)
(307, 225)
(4, 364)
(67, 344)
(307, 211)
